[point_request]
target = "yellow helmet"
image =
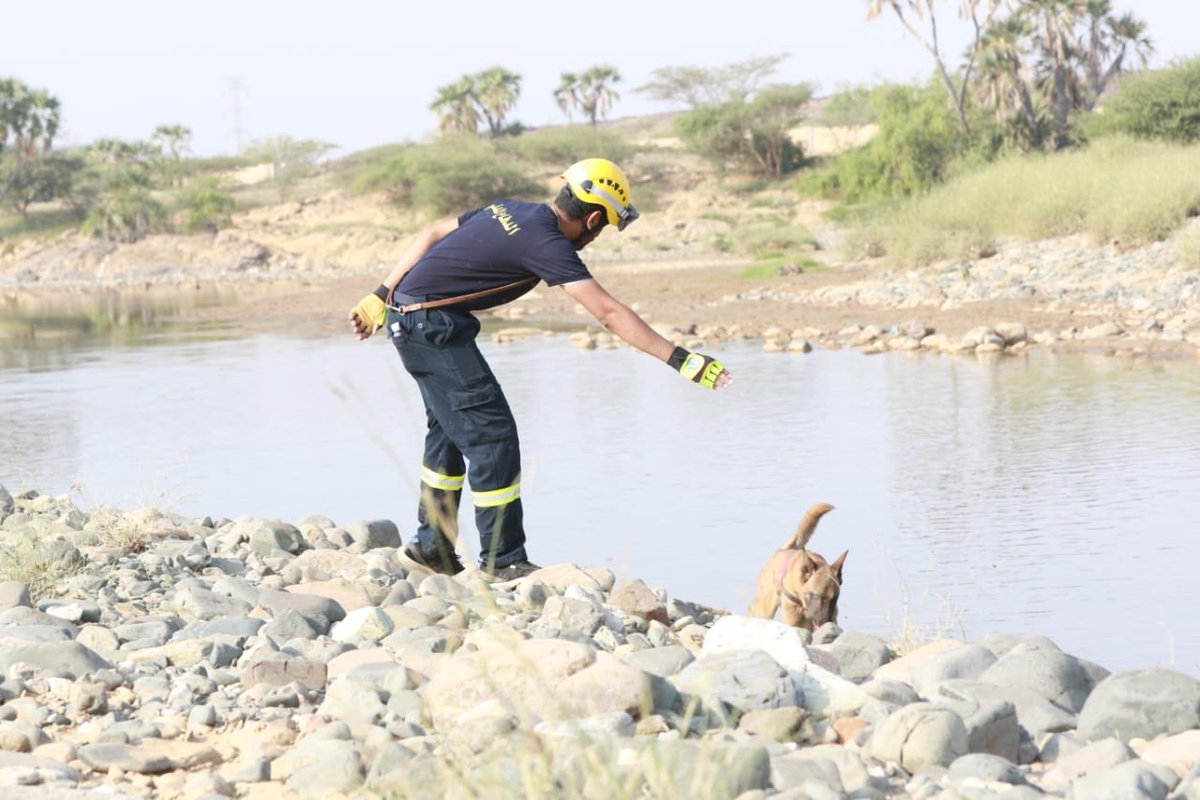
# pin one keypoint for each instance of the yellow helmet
(600, 181)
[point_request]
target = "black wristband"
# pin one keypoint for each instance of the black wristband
(678, 356)
(381, 292)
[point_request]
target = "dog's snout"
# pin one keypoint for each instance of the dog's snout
(820, 608)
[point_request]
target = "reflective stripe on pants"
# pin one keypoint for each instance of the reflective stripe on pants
(468, 418)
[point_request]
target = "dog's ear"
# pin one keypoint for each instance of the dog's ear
(836, 566)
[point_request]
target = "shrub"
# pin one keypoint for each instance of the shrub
(752, 135)
(41, 564)
(451, 175)
(562, 146)
(1155, 105)
(916, 143)
(1119, 189)
(208, 207)
(126, 213)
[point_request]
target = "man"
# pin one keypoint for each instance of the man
(485, 258)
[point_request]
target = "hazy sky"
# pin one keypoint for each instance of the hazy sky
(357, 73)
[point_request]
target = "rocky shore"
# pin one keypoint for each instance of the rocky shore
(147, 655)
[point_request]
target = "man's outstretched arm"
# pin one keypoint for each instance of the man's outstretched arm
(624, 322)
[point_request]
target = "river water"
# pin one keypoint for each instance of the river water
(1038, 494)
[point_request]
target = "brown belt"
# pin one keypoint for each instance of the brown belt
(449, 301)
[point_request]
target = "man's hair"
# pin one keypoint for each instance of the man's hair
(575, 208)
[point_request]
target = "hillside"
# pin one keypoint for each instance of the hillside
(713, 257)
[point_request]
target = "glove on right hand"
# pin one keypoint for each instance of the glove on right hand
(369, 315)
(697, 367)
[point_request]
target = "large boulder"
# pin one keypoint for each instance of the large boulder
(820, 688)
(1056, 676)
(741, 679)
(538, 679)
(1141, 704)
(920, 735)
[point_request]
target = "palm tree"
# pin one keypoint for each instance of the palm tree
(175, 139)
(1002, 83)
(1054, 24)
(43, 119)
(456, 108)
(591, 92)
(567, 93)
(495, 93)
(1125, 31)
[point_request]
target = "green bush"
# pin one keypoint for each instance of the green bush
(450, 175)
(917, 141)
(562, 146)
(1154, 105)
(126, 213)
(208, 207)
(753, 135)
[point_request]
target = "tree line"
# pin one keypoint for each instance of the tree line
(1029, 80)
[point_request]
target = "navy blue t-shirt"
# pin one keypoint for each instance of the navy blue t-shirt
(492, 246)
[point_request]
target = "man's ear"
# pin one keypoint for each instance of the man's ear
(593, 220)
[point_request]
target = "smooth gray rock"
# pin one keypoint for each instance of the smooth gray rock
(130, 758)
(66, 659)
(742, 679)
(918, 735)
(966, 662)
(288, 625)
(374, 533)
(237, 627)
(859, 655)
(1141, 704)
(991, 725)
(661, 661)
(1053, 674)
(352, 702)
(13, 593)
(1002, 643)
(794, 772)
(685, 768)
(57, 769)
(985, 767)
(335, 767)
(237, 588)
(896, 693)
(272, 535)
(1094, 758)
(35, 633)
(1035, 714)
(201, 603)
(158, 631)
(1131, 780)
(310, 605)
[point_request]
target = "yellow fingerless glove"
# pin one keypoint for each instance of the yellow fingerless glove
(697, 367)
(371, 312)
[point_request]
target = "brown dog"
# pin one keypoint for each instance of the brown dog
(800, 583)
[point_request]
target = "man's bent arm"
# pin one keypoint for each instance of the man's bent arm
(620, 319)
(417, 247)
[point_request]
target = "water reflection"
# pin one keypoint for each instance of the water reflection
(1043, 494)
(49, 330)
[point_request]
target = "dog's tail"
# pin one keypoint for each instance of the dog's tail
(808, 526)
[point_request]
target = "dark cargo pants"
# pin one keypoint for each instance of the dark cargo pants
(468, 417)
